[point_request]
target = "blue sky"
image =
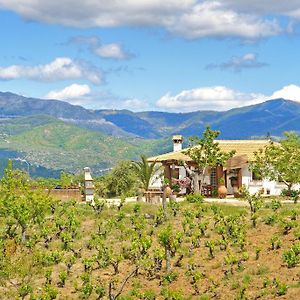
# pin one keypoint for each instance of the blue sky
(176, 55)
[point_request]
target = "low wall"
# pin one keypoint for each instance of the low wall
(67, 194)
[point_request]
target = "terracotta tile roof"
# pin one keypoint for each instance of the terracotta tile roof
(171, 156)
(242, 147)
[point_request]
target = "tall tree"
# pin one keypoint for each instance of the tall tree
(205, 152)
(144, 171)
(280, 161)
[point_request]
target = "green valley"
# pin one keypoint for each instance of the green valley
(57, 145)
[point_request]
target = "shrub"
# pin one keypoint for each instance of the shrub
(49, 292)
(257, 252)
(86, 290)
(242, 191)
(271, 219)
(297, 233)
(148, 295)
(211, 246)
(275, 204)
(169, 294)
(275, 242)
(170, 277)
(62, 277)
(194, 198)
(24, 290)
(100, 291)
(291, 258)
(293, 194)
(287, 225)
(281, 288)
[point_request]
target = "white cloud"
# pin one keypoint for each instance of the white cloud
(61, 68)
(207, 98)
(238, 63)
(289, 92)
(98, 13)
(71, 92)
(113, 51)
(264, 7)
(218, 98)
(221, 98)
(210, 18)
(188, 18)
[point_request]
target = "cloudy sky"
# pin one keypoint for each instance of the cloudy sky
(171, 55)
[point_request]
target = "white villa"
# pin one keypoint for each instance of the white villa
(236, 168)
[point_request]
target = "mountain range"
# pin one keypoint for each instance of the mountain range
(54, 135)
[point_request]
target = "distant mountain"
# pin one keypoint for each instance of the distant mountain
(12, 105)
(55, 135)
(271, 117)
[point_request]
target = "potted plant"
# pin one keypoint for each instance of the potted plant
(175, 188)
(166, 187)
(222, 190)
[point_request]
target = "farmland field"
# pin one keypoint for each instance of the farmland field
(139, 251)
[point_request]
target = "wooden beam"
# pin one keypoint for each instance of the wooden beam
(240, 177)
(219, 173)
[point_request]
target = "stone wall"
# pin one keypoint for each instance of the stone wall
(67, 194)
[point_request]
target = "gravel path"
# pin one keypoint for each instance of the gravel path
(229, 201)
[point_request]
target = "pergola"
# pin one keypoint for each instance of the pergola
(171, 159)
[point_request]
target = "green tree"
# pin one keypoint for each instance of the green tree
(122, 181)
(66, 180)
(21, 205)
(206, 152)
(280, 161)
(144, 171)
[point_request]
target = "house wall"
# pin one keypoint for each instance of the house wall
(268, 186)
(157, 178)
(253, 186)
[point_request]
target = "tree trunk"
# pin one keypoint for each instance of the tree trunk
(168, 259)
(289, 186)
(23, 234)
(202, 179)
(197, 189)
(195, 179)
(164, 201)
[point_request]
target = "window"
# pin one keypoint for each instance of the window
(213, 177)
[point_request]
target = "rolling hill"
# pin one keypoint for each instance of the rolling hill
(56, 145)
(56, 135)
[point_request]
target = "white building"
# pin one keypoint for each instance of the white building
(236, 168)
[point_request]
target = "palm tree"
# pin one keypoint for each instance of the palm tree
(144, 171)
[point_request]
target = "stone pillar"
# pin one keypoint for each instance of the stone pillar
(88, 185)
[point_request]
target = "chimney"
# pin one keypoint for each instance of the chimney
(88, 185)
(177, 143)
